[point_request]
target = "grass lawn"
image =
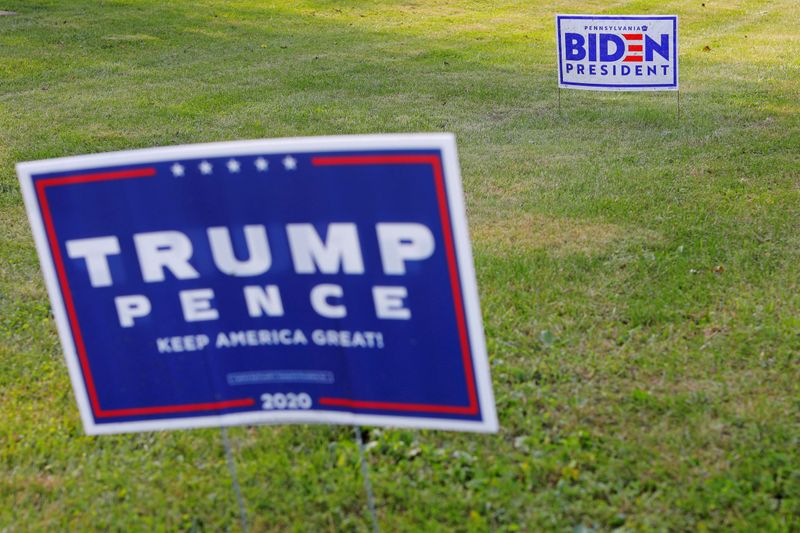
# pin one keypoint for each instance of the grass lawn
(639, 272)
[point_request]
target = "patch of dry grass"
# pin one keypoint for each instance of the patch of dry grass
(526, 233)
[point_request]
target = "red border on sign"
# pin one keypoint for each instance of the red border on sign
(98, 411)
(458, 304)
(455, 284)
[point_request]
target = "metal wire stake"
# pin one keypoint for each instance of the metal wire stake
(236, 488)
(367, 484)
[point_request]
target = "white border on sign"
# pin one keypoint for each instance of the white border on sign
(612, 87)
(423, 141)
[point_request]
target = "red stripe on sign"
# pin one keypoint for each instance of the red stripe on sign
(634, 48)
(186, 408)
(67, 294)
(632, 36)
(80, 347)
(455, 284)
(322, 161)
(395, 406)
(635, 59)
(99, 176)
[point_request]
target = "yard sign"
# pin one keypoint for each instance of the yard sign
(300, 280)
(618, 53)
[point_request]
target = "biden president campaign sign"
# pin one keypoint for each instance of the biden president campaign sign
(300, 280)
(618, 53)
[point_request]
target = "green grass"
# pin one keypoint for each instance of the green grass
(638, 272)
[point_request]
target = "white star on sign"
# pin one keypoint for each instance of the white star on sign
(261, 164)
(177, 170)
(289, 163)
(233, 166)
(205, 167)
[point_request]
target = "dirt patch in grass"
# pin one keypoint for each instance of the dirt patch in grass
(560, 236)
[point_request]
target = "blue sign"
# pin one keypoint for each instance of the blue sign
(618, 53)
(300, 280)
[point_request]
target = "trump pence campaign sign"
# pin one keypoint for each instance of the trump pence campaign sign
(618, 53)
(297, 280)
